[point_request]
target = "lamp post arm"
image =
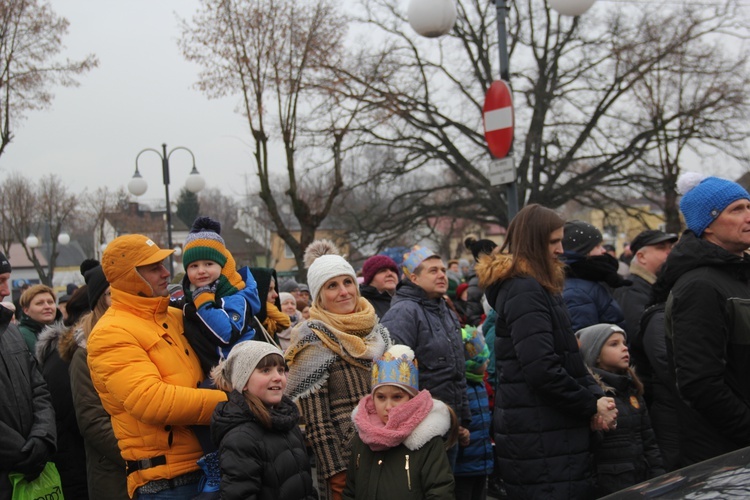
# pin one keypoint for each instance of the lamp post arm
(177, 149)
(143, 151)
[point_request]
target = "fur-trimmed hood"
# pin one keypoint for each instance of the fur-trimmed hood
(492, 268)
(49, 339)
(436, 423)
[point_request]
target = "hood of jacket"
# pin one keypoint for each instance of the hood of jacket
(492, 270)
(691, 252)
(235, 412)
(49, 339)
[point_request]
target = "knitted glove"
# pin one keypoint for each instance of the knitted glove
(204, 294)
(36, 453)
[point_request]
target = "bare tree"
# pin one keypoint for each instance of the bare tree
(31, 36)
(582, 130)
(94, 206)
(275, 56)
(216, 204)
(43, 210)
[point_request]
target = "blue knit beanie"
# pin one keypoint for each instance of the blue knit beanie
(704, 198)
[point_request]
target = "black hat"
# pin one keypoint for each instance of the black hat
(4, 264)
(97, 283)
(651, 237)
(479, 247)
(580, 237)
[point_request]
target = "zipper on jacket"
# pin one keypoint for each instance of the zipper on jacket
(358, 454)
(408, 475)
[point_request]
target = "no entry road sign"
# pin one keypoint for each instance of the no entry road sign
(498, 119)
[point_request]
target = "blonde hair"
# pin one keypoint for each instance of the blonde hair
(31, 292)
(89, 320)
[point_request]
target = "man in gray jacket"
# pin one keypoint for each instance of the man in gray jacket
(420, 319)
(27, 420)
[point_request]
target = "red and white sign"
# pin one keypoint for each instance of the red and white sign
(498, 119)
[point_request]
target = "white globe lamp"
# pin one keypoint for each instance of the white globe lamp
(571, 7)
(432, 18)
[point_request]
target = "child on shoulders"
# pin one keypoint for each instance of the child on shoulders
(399, 451)
(220, 303)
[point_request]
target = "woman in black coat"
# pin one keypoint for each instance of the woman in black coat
(547, 401)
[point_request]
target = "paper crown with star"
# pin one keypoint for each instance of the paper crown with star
(396, 367)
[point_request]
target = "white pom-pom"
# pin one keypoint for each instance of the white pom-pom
(688, 181)
(399, 350)
(319, 248)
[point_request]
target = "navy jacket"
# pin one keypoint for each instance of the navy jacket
(434, 333)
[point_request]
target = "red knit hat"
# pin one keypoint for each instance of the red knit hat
(460, 289)
(375, 264)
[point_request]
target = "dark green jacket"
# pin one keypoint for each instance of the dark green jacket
(399, 473)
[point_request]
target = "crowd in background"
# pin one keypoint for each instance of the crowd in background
(511, 373)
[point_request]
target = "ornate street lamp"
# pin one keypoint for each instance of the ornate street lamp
(432, 18)
(138, 185)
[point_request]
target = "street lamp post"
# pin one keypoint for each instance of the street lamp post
(432, 18)
(138, 185)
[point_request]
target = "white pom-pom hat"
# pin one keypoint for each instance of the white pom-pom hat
(324, 262)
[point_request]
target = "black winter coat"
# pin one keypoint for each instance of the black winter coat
(545, 397)
(628, 454)
(380, 301)
(633, 300)
(708, 322)
(664, 404)
(70, 458)
(25, 404)
(259, 463)
(434, 333)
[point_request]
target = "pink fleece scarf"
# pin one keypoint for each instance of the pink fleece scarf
(402, 420)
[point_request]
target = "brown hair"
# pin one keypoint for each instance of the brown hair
(257, 408)
(89, 320)
(28, 295)
(451, 437)
(528, 240)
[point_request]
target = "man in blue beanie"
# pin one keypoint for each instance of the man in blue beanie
(707, 322)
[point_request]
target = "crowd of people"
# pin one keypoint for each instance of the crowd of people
(545, 368)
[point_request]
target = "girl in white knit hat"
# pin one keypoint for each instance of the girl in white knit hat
(262, 450)
(329, 358)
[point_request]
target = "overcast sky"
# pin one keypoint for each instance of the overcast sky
(140, 96)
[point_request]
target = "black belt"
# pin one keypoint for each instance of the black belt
(144, 463)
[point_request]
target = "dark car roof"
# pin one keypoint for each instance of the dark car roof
(727, 476)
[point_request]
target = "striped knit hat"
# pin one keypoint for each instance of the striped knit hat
(205, 243)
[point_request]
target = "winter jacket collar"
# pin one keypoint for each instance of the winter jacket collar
(35, 326)
(406, 290)
(6, 315)
(235, 412)
(492, 270)
(638, 270)
(691, 253)
(152, 308)
(618, 383)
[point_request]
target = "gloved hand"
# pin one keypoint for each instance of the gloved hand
(36, 454)
(204, 294)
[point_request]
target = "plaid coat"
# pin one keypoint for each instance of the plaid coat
(328, 418)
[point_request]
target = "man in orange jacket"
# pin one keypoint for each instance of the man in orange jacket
(147, 374)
